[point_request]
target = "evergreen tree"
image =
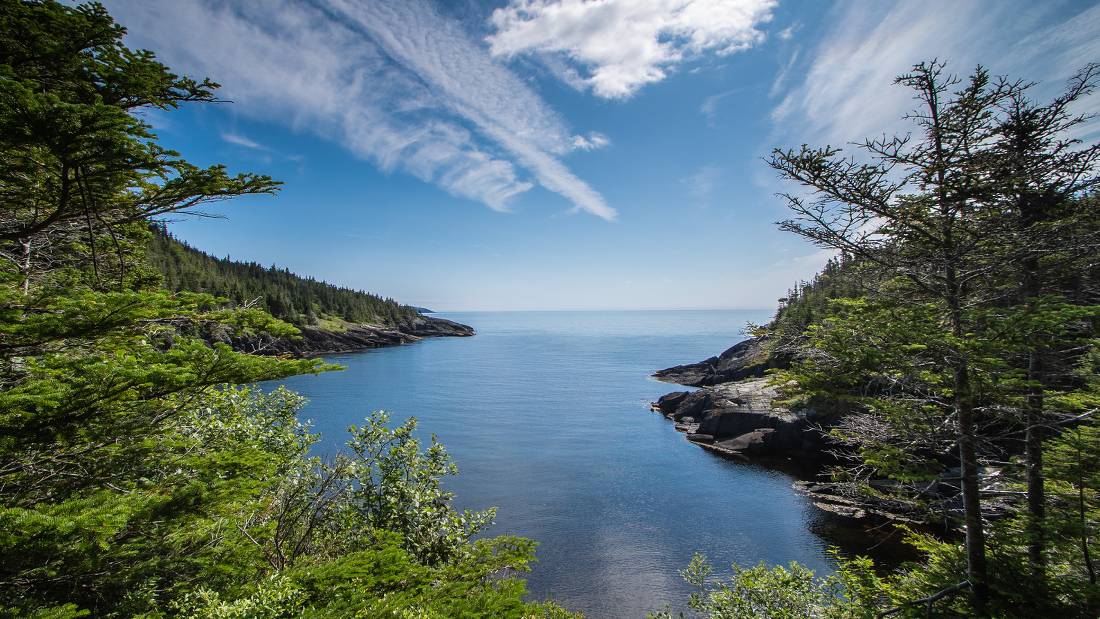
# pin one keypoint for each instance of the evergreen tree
(285, 295)
(977, 239)
(136, 479)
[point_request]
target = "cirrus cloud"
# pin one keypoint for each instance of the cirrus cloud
(242, 140)
(394, 82)
(845, 93)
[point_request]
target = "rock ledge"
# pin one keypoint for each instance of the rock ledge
(741, 419)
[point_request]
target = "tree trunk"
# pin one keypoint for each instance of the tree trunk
(1085, 534)
(971, 490)
(1036, 490)
(1032, 212)
(968, 453)
(26, 266)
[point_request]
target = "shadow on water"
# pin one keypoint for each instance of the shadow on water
(878, 539)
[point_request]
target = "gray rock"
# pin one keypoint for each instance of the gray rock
(668, 403)
(747, 359)
(742, 418)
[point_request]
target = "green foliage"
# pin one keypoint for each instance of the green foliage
(854, 591)
(399, 489)
(956, 333)
(382, 582)
(808, 302)
(137, 478)
(299, 300)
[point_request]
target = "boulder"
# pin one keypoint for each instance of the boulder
(669, 402)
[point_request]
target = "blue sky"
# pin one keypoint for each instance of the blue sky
(556, 154)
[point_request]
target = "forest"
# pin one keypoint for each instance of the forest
(954, 339)
(143, 474)
(286, 296)
(140, 472)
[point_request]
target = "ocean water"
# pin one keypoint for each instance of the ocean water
(547, 416)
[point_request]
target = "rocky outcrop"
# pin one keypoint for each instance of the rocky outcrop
(748, 359)
(838, 499)
(430, 326)
(742, 419)
(734, 412)
(353, 337)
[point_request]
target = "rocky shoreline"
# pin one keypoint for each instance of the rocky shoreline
(747, 359)
(353, 337)
(735, 413)
(741, 419)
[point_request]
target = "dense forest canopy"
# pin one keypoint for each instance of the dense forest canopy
(293, 298)
(140, 474)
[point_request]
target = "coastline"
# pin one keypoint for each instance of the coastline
(734, 414)
(351, 337)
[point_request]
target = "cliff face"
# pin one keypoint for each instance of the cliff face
(317, 341)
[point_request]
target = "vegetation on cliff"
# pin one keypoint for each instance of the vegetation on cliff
(137, 477)
(286, 296)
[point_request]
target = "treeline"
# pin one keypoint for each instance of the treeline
(140, 474)
(293, 298)
(808, 301)
(957, 336)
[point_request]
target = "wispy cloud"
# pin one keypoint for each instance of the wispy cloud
(846, 92)
(622, 45)
(592, 141)
(241, 140)
(394, 82)
(788, 32)
(702, 184)
(709, 106)
(781, 77)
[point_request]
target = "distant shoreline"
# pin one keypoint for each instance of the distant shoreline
(354, 337)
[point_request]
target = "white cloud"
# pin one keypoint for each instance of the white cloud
(781, 77)
(394, 82)
(561, 69)
(622, 45)
(846, 91)
(241, 140)
(592, 141)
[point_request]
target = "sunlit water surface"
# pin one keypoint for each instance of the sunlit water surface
(547, 415)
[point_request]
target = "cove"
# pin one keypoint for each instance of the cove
(547, 415)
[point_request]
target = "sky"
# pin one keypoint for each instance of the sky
(557, 154)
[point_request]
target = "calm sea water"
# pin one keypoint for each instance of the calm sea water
(547, 415)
